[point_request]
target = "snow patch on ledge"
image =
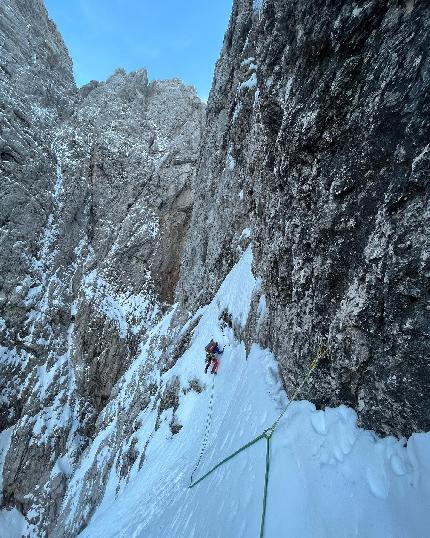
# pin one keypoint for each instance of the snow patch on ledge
(250, 83)
(5, 437)
(235, 293)
(230, 162)
(13, 524)
(246, 234)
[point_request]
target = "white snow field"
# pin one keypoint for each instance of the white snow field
(327, 477)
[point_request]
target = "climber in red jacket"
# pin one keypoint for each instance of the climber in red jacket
(212, 350)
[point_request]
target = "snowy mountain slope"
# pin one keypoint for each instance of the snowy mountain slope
(327, 477)
(85, 308)
(316, 153)
(96, 187)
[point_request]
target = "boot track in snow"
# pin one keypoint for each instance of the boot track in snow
(207, 429)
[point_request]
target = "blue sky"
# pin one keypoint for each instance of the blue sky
(171, 38)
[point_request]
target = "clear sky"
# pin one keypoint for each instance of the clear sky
(171, 38)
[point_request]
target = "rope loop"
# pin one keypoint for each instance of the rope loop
(268, 433)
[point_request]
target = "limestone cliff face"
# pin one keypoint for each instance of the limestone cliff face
(96, 198)
(317, 151)
(36, 89)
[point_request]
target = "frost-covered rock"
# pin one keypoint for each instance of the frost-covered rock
(36, 90)
(96, 198)
(317, 140)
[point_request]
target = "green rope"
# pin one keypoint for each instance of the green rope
(266, 483)
(244, 447)
(267, 434)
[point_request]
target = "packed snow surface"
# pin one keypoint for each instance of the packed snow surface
(12, 524)
(328, 478)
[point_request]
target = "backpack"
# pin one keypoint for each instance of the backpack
(211, 346)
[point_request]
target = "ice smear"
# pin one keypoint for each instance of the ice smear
(257, 5)
(248, 61)
(420, 158)
(237, 110)
(250, 83)
(261, 310)
(230, 162)
(288, 87)
(246, 234)
(5, 437)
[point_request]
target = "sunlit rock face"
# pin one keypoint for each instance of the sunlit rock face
(96, 199)
(317, 151)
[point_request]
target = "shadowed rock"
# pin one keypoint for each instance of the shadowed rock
(317, 140)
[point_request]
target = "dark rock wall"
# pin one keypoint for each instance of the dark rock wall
(317, 139)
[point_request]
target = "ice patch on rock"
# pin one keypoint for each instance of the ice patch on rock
(230, 162)
(250, 83)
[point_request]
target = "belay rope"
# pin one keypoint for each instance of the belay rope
(207, 428)
(267, 434)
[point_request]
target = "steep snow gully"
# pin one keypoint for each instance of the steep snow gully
(292, 209)
(327, 477)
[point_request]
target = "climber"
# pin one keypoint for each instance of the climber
(212, 350)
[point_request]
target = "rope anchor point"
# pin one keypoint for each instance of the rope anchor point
(320, 354)
(269, 432)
